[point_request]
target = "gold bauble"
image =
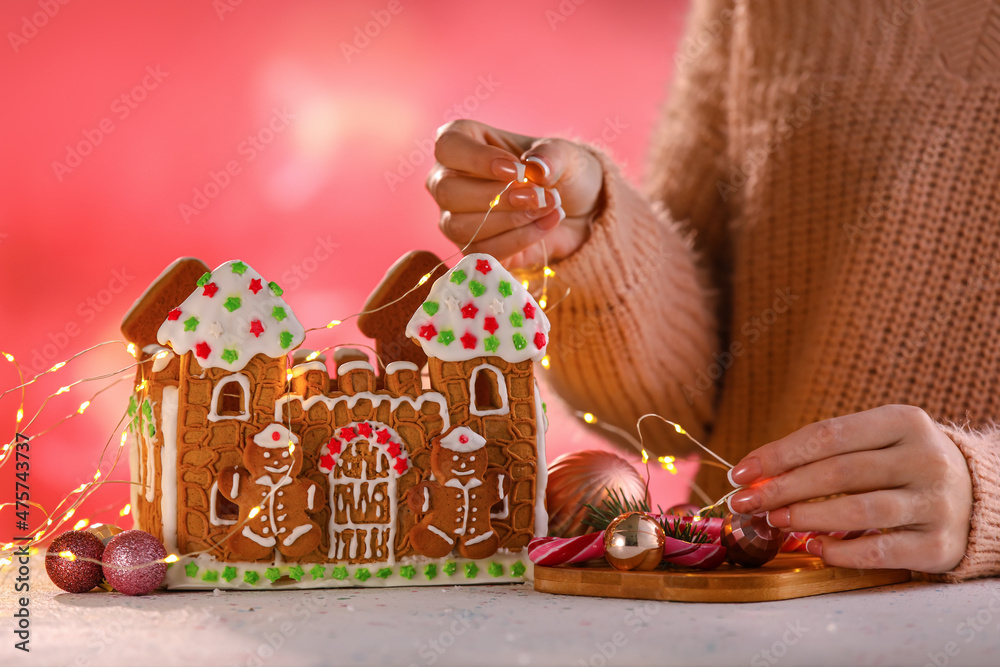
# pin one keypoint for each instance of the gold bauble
(104, 532)
(634, 541)
(587, 477)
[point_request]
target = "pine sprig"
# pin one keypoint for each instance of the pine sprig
(611, 508)
(685, 531)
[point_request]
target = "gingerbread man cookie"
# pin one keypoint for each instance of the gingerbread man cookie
(456, 506)
(269, 481)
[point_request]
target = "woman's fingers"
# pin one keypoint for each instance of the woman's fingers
(478, 228)
(479, 150)
(878, 509)
(518, 239)
(576, 171)
(903, 549)
(465, 194)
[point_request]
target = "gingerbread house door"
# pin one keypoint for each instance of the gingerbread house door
(363, 460)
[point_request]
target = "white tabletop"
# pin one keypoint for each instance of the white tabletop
(907, 624)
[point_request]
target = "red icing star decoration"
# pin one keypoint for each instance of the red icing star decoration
(490, 324)
(468, 341)
(483, 266)
(256, 328)
(394, 449)
(202, 350)
(347, 433)
(428, 331)
(400, 466)
(327, 463)
(255, 285)
(383, 436)
(365, 429)
(529, 311)
(210, 290)
(469, 311)
(174, 314)
(539, 340)
(334, 445)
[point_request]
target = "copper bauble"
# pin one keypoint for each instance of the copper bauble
(104, 532)
(578, 479)
(749, 540)
(634, 541)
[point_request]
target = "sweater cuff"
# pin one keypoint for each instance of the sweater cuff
(982, 452)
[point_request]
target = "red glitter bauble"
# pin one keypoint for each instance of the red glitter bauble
(79, 575)
(749, 540)
(125, 562)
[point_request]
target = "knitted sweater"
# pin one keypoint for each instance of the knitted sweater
(821, 236)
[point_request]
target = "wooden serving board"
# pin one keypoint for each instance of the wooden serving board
(788, 576)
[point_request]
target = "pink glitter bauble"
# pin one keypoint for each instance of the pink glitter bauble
(75, 576)
(124, 558)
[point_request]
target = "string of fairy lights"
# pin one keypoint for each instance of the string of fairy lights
(66, 509)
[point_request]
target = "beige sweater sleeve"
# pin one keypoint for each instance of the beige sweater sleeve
(638, 328)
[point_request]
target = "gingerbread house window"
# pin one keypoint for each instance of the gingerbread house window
(488, 391)
(231, 398)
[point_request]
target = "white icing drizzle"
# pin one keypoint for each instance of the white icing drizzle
(468, 486)
(305, 367)
(244, 382)
(310, 497)
(236, 484)
(427, 500)
(479, 538)
(501, 389)
(168, 468)
(541, 467)
(296, 533)
(376, 399)
(440, 533)
(213, 515)
(262, 541)
(396, 366)
(343, 369)
(159, 363)
(268, 513)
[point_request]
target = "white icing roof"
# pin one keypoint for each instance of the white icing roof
(478, 309)
(233, 314)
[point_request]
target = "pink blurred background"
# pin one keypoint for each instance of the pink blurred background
(121, 114)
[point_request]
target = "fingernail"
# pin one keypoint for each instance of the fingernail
(533, 197)
(749, 498)
(815, 547)
(505, 168)
(779, 518)
(745, 472)
(542, 166)
(540, 195)
(548, 221)
(562, 213)
(556, 198)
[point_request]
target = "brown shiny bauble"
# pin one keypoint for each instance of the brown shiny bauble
(104, 532)
(749, 540)
(587, 477)
(634, 541)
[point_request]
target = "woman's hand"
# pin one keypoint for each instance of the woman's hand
(900, 472)
(475, 162)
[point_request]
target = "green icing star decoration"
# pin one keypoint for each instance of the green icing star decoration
(495, 569)
(339, 573)
(277, 291)
(384, 573)
(286, 339)
(446, 337)
(431, 307)
(296, 572)
(251, 577)
(210, 575)
(318, 572)
(230, 355)
(458, 277)
(519, 341)
(205, 279)
(477, 288)
(232, 303)
(229, 573)
(190, 324)
(191, 569)
(407, 571)
(471, 570)
(516, 319)
(363, 574)
(272, 573)
(430, 571)
(504, 288)
(278, 313)
(491, 344)
(449, 568)
(517, 569)
(239, 268)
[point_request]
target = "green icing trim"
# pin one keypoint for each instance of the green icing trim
(491, 344)
(296, 572)
(363, 574)
(190, 324)
(431, 307)
(407, 571)
(239, 267)
(275, 289)
(232, 303)
(147, 409)
(519, 341)
(471, 570)
(477, 288)
(205, 279)
(318, 572)
(278, 313)
(229, 573)
(516, 319)
(495, 569)
(210, 575)
(272, 573)
(251, 577)
(504, 288)
(133, 406)
(230, 355)
(384, 573)
(458, 277)
(339, 572)
(430, 571)
(286, 339)
(517, 569)
(449, 568)
(191, 569)
(446, 337)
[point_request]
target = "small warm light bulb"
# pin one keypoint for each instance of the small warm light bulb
(524, 283)
(49, 522)
(254, 512)
(291, 447)
(124, 438)
(332, 324)
(142, 385)
(83, 406)
(288, 376)
(7, 546)
(80, 489)
(589, 418)
(696, 518)
(4, 561)
(677, 427)
(313, 356)
(125, 510)
(542, 303)
(496, 200)
(9, 356)
(62, 390)
(131, 349)
(97, 475)
(545, 361)
(424, 278)
(39, 534)
(57, 366)
(645, 456)
(172, 558)
(548, 272)
(20, 415)
(81, 524)
(68, 555)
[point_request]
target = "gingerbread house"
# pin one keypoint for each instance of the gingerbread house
(260, 466)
